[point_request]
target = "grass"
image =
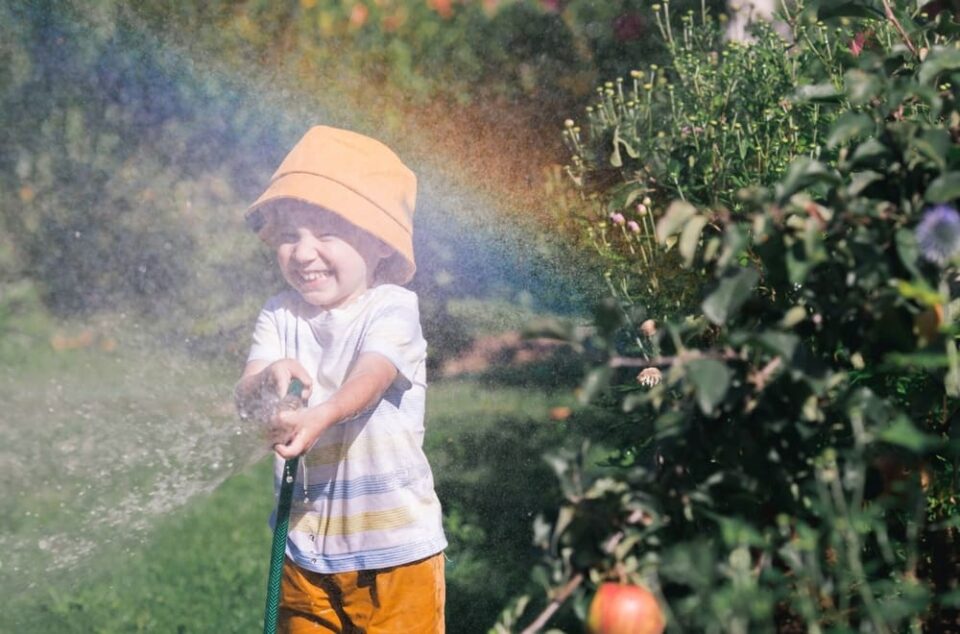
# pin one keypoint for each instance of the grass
(142, 514)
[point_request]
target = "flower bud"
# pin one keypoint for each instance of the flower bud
(649, 377)
(649, 328)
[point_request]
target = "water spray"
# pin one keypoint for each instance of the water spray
(279, 547)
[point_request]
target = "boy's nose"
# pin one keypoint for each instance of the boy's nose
(304, 251)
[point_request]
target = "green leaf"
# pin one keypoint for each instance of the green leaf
(859, 181)
(781, 343)
(849, 9)
(803, 173)
(870, 153)
(734, 289)
(818, 93)
(939, 60)
(849, 126)
(861, 86)
(710, 379)
(904, 434)
(690, 238)
(908, 251)
(933, 144)
(944, 188)
(678, 213)
(920, 291)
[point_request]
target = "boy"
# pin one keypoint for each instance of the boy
(364, 550)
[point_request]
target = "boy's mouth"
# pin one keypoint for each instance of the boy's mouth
(314, 276)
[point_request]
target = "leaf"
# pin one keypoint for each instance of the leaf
(859, 181)
(725, 300)
(690, 238)
(861, 86)
(781, 343)
(920, 291)
(678, 213)
(803, 173)
(908, 251)
(849, 126)
(939, 60)
(849, 9)
(710, 379)
(904, 434)
(943, 188)
(818, 93)
(933, 144)
(869, 154)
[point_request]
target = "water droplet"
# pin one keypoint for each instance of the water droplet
(289, 479)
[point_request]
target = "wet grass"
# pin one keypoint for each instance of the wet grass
(126, 502)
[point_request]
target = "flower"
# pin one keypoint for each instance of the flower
(938, 234)
(641, 209)
(617, 218)
(649, 377)
(633, 226)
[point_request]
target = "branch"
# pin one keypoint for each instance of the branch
(888, 10)
(636, 362)
(555, 604)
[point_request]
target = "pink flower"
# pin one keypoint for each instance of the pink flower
(617, 218)
(641, 209)
(633, 226)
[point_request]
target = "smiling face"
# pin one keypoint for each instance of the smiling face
(329, 261)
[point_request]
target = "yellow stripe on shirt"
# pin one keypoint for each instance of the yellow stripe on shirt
(351, 524)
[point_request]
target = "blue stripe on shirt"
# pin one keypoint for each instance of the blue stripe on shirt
(366, 485)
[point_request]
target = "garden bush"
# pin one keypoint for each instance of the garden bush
(786, 456)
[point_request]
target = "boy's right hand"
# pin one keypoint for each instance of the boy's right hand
(263, 388)
(275, 379)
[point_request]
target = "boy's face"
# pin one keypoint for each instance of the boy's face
(324, 258)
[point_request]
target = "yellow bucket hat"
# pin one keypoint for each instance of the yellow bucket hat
(357, 178)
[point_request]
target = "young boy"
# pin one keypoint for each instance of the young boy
(364, 550)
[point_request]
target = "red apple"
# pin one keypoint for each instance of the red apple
(624, 609)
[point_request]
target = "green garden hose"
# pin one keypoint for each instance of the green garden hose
(279, 547)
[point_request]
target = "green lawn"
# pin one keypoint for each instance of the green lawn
(129, 503)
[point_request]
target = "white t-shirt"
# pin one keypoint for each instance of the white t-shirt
(364, 498)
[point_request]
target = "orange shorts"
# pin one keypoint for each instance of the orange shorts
(404, 599)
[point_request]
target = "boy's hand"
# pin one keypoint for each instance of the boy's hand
(293, 432)
(275, 379)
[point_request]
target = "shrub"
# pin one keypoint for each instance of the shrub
(789, 462)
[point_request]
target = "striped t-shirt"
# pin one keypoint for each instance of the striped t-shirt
(364, 497)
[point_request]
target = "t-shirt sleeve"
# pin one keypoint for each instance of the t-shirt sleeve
(267, 345)
(394, 332)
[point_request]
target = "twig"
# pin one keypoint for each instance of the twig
(888, 10)
(555, 604)
(634, 362)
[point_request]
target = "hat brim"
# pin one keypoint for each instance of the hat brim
(397, 268)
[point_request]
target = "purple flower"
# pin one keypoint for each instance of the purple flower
(617, 218)
(633, 226)
(938, 234)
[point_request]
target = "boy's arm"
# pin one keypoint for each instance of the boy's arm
(297, 431)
